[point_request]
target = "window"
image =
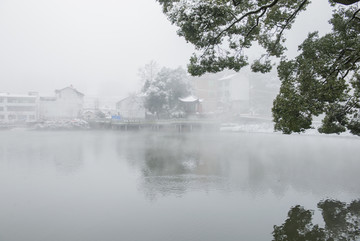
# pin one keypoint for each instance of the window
(21, 99)
(12, 117)
(21, 108)
(21, 117)
(212, 83)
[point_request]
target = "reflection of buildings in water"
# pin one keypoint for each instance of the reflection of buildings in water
(178, 163)
(47, 150)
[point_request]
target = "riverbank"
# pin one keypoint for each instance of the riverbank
(173, 125)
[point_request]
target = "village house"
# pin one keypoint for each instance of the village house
(131, 107)
(66, 104)
(227, 91)
(93, 114)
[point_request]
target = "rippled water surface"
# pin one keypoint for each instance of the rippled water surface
(165, 186)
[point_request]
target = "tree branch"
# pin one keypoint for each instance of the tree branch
(289, 19)
(346, 2)
(354, 16)
(244, 16)
(236, 2)
(257, 23)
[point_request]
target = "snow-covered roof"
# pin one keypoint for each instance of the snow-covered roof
(190, 98)
(89, 111)
(139, 97)
(228, 76)
(72, 88)
(16, 95)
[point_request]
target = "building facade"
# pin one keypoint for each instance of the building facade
(66, 104)
(132, 107)
(227, 91)
(18, 108)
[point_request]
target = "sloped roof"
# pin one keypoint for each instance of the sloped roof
(190, 98)
(228, 76)
(72, 88)
(138, 97)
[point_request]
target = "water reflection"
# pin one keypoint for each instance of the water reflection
(62, 150)
(251, 163)
(342, 222)
(213, 186)
(176, 164)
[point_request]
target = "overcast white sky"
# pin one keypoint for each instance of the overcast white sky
(99, 45)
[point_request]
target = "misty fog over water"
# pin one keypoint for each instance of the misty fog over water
(106, 136)
(102, 185)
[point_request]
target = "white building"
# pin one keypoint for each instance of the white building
(227, 91)
(132, 107)
(18, 108)
(234, 93)
(66, 104)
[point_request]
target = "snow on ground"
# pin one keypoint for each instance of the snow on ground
(63, 125)
(268, 127)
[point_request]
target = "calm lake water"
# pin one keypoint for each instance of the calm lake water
(106, 186)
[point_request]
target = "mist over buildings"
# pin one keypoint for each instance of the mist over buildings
(98, 46)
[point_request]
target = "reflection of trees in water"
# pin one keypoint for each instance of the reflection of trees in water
(173, 164)
(249, 162)
(342, 222)
(163, 161)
